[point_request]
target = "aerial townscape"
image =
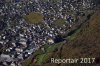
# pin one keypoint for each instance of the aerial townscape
(27, 25)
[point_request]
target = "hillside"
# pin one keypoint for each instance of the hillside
(84, 43)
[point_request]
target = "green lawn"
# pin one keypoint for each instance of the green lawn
(27, 61)
(54, 47)
(45, 57)
(59, 22)
(73, 36)
(34, 18)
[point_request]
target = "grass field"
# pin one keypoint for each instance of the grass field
(59, 22)
(34, 18)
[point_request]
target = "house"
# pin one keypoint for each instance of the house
(5, 64)
(20, 56)
(19, 50)
(12, 64)
(13, 43)
(30, 51)
(4, 57)
(23, 44)
(50, 41)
